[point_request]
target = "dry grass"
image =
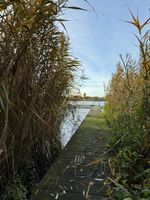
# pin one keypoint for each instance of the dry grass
(36, 75)
(128, 114)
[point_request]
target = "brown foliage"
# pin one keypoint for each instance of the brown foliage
(127, 112)
(36, 74)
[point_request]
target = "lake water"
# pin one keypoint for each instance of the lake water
(88, 103)
(73, 120)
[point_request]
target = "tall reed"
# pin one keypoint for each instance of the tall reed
(127, 112)
(36, 76)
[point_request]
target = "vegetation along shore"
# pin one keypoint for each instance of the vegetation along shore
(37, 79)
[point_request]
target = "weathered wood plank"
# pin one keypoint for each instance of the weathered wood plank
(70, 177)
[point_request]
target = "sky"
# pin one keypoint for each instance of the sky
(98, 37)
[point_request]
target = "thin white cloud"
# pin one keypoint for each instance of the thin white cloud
(98, 42)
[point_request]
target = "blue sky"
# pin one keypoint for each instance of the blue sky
(97, 39)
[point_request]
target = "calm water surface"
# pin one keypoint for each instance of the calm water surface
(73, 120)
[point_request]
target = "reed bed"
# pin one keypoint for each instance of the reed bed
(127, 113)
(36, 77)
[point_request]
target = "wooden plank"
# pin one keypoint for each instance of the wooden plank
(71, 177)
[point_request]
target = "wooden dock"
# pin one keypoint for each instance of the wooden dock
(72, 177)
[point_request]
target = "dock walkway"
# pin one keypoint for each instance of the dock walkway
(72, 177)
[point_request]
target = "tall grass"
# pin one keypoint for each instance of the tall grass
(127, 112)
(36, 76)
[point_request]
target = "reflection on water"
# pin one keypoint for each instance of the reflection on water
(88, 103)
(73, 120)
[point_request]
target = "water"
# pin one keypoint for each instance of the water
(73, 120)
(88, 103)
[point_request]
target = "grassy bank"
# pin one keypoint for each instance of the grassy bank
(97, 121)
